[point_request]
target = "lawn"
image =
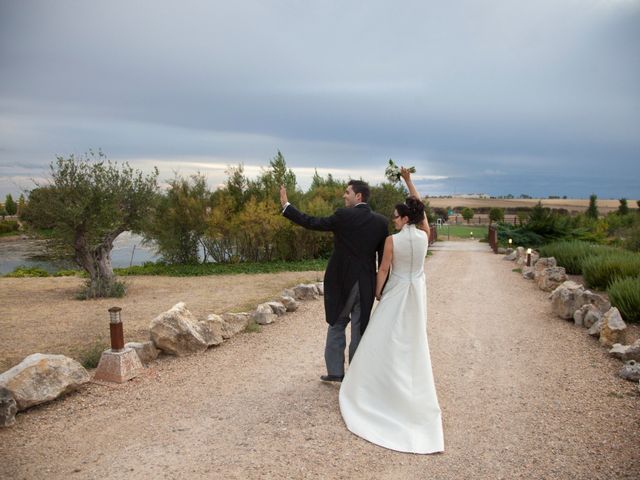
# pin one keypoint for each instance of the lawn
(446, 232)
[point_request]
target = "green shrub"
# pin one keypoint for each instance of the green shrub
(571, 254)
(8, 226)
(624, 294)
(90, 356)
(601, 270)
(113, 289)
(22, 272)
(70, 273)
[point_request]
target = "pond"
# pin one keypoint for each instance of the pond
(127, 250)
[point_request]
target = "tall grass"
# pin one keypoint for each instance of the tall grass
(600, 271)
(624, 294)
(571, 254)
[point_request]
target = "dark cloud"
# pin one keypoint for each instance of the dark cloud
(458, 88)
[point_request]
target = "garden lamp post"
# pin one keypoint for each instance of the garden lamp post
(115, 329)
(528, 257)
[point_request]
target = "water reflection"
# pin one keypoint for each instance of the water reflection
(127, 250)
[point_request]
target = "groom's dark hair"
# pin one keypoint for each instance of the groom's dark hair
(358, 186)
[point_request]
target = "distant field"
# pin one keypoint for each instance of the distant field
(571, 204)
(462, 231)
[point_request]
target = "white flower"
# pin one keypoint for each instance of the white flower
(392, 172)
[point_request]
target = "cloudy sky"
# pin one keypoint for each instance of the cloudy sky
(493, 96)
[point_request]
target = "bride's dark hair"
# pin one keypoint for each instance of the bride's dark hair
(412, 208)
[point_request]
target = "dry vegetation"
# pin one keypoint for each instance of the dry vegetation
(42, 314)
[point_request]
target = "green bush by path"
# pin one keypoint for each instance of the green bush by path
(22, 272)
(571, 254)
(173, 270)
(601, 270)
(624, 294)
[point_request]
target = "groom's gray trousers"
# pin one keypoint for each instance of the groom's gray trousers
(336, 338)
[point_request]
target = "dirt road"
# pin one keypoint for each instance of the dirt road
(524, 395)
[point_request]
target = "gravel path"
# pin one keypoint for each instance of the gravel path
(524, 395)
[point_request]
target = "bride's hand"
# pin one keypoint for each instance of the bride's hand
(405, 174)
(378, 296)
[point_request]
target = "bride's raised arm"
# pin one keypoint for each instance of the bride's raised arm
(406, 176)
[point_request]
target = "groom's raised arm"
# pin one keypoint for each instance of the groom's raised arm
(324, 224)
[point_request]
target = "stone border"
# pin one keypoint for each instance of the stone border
(572, 301)
(190, 336)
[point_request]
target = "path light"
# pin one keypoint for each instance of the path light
(528, 257)
(115, 328)
(118, 364)
(510, 242)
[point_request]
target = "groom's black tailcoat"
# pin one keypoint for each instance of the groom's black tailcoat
(358, 233)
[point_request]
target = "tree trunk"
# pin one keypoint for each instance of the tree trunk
(97, 263)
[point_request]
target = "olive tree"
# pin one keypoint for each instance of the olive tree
(467, 214)
(88, 202)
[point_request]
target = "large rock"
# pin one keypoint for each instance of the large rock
(234, 323)
(263, 314)
(278, 308)
(528, 273)
(8, 408)
(613, 328)
(211, 329)
(510, 256)
(289, 303)
(596, 328)
(548, 279)
(147, 351)
(596, 300)
(566, 299)
(626, 352)
(177, 332)
(586, 315)
(630, 371)
(320, 287)
(305, 292)
(544, 262)
(40, 378)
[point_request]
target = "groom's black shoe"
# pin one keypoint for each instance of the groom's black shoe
(331, 378)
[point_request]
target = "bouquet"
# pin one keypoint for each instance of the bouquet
(392, 172)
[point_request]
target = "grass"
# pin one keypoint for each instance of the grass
(186, 270)
(517, 270)
(90, 356)
(600, 271)
(222, 268)
(253, 327)
(462, 231)
(624, 294)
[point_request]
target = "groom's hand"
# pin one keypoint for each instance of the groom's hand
(283, 196)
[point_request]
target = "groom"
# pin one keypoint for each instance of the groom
(350, 278)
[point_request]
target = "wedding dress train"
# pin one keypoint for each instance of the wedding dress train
(388, 395)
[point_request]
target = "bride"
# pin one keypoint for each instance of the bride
(388, 395)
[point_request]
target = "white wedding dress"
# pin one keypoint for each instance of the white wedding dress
(388, 395)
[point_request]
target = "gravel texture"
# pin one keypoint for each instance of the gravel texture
(524, 395)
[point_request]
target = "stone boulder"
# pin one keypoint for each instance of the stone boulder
(544, 262)
(548, 279)
(211, 329)
(630, 371)
(278, 308)
(613, 328)
(510, 256)
(586, 315)
(566, 299)
(305, 292)
(289, 303)
(40, 378)
(626, 352)
(528, 273)
(8, 408)
(320, 287)
(288, 292)
(234, 323)
(501, 251)
(598, 301)
(177, 332)
(263, 314)
(596, 328)
(147, 351)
